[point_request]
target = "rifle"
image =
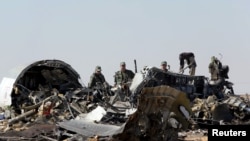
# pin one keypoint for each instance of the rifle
(135, 66)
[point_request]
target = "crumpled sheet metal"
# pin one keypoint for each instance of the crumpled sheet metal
(232, 110)
(166, 98)
(88, 128)
(236, 102)
(155, 107)
(151, 120)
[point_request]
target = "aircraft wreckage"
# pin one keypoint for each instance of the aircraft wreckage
(49, 102)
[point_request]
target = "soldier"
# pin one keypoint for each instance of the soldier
(214, 67)
(123, 76)
(96, 78)
(217, 70)
(164, 66)
(190, 60)
(122, 79)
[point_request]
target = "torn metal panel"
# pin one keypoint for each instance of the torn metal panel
(88, 128)
(157, 105)
(90, 124)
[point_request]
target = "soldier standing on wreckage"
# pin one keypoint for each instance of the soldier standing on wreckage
(123, 78)
(164, 66)
(214, 68)
(190, 60)
(96, 78)
(217, 70)
(99, 85)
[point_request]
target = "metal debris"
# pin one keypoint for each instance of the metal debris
(50, 103)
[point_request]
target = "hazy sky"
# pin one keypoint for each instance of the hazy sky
(86, 33)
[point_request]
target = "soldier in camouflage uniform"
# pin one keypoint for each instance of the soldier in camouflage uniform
(164, 66)
(123, 76)
(96, 78)
(122, 79)
(214, 68)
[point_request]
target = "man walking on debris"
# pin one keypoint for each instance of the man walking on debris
(96, 78)
(189, 58)
(164, 66)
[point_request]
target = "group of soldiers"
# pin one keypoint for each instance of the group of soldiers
(216, 69)
(125, 75)
(122, 76)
